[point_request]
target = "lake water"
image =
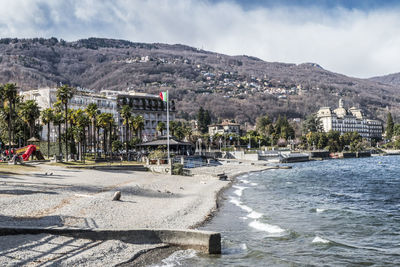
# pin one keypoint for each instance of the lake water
(332, 213)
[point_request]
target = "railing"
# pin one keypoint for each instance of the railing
(195, 162)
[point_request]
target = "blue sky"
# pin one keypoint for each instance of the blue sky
(356, 38)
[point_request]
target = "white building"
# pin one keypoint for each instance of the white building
(351, 120)
(149, 106)
(226, 127)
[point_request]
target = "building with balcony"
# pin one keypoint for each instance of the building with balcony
(351, 120)
(151, 107)
(226, 127)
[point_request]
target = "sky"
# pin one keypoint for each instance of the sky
(359, 38)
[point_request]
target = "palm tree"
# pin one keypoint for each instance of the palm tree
(126, 115)
(58, 119)
(29, 111)
(173, 127)
(47, 118)
(10, 95)
(64, 94)
(80, 121)
(92, 112)
(105, 121)
(160, 127)
(138, 125)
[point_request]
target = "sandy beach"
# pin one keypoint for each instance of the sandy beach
(49, 196)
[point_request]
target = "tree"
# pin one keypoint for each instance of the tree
(161, 127)
(283, 128)
(64, 94)
(92, 112)
(389, 126)
(312, 124)
(262, 124)
(203, 120)
(126, 115)
(188, 132)
(58, 119)
(173, 127)
(80, 121)
(207, 120)
(9, 94)
(47, 118)
(29, 111)
(105, 121)
(137, 123)
(396, 129)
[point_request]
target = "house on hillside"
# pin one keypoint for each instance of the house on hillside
(226, 127)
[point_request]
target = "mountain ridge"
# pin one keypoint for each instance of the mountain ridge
(232, 87)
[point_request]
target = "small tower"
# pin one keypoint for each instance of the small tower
(341, 103)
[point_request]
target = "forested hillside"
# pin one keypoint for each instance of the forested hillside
(231, 87)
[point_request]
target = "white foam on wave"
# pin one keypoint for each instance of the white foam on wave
(245, 181)
(243, 246)
(254, 215)
(289, 183)
(177, 257)
(237, 202)
(318, 239)
(319, 210)
(245, 175)
(253, 184)
(269, 228)
(239, 190)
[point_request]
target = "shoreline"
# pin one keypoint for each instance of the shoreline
(82, 199)
(155, 255)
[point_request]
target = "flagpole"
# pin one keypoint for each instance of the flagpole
(169, 159)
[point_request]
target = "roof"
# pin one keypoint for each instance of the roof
(162, 142)
(225, 123)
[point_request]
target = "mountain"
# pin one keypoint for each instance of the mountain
(231, 87)
(390, 79)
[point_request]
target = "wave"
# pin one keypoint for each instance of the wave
(318, 239)
(229, 248)
(255, 215)
(237, 202)
(253, 184)
(252, 214)
(269, 228)
(239, 190)
(317, 210)
(177, 257)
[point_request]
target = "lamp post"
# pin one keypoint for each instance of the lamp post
(220, 144)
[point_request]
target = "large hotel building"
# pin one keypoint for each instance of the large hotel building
(151, 107)
(351, 120)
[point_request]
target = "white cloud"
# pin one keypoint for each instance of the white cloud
(353, 42)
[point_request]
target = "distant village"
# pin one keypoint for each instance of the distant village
(230, 83)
